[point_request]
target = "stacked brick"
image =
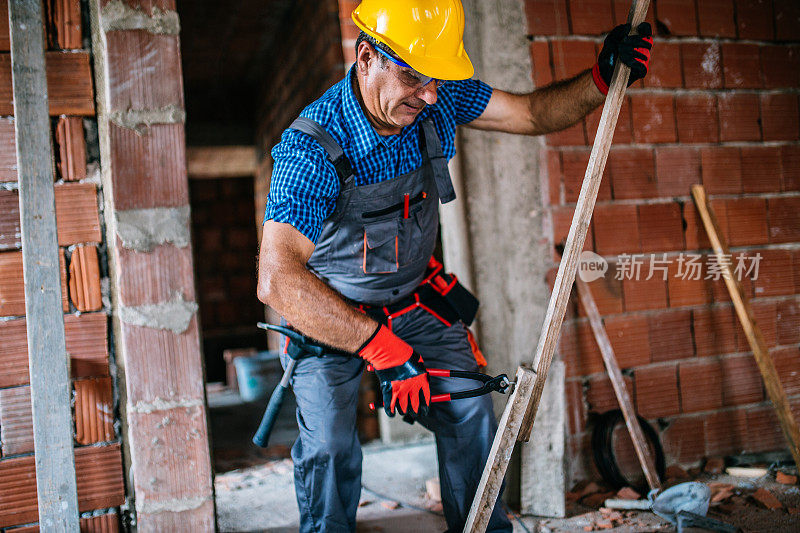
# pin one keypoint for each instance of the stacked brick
(142, 145)
(719, 107)
(97, 454)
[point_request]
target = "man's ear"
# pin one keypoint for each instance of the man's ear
(364, 55)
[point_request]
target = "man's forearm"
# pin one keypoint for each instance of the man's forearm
(313, 308)
(561, 104)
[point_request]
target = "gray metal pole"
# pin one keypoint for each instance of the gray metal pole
(47, 354)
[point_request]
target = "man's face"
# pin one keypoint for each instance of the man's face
(393, 95)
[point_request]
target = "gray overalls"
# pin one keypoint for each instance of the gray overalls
(374, 249)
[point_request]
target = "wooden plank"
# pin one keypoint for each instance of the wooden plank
(551, 328)
(744, 311)
(69, 82)
(12, 284)
(618, 383)
(503, 445)
(221, 161)
(56, 487)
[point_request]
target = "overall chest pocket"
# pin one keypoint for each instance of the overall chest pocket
(380, 247)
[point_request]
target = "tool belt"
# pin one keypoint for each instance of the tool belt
(439, 293)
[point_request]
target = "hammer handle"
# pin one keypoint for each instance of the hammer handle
(261, 437)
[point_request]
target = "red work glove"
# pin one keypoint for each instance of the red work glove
(632, 50)
(402, 375)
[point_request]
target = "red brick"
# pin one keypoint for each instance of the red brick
(16, 420)
(661, 227)
(781, 65)
(71, 148)
(151, 278)
(616, 229)
(684, 440)
(761, 169)
(747, 221)
(540, 61)
(94, 411)
(701, 385)
(725, 432)
(678, 16)
(12, 286)
(665, 66)
(572, 136)
(787, 19)
(547, 17)
(739, 117)
(788, 321)
(741, 66)
(715, 18)
(622, 131)
(683, 285)
(590, 17)
(697, 118)
(702, 65)
(554, 176)
(641, 294)
(754, 19)
(84, 279)
(632, 172)
(779, 117)
(572, 57)
(657, 391)
(77, 215)
(671, 336)
(763, 430)
(5, 44)
(765, 315)
(579, 349)
(576, 411)
(600, 395)
(197, 519)
(148, 170)
(69, 84)
(677, 168)
(722, 169)
(630, 339)
(574, 163)
(164, 437)
(784, 219)
(65, 18)
(716, 331)
(607, 294)
(653, 118)
(696, 236)
(775, 274)
(168, 364)
(790, 164)
(8, 150)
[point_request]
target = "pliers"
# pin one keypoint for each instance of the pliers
(490, 384)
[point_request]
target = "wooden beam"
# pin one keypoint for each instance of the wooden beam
(618, 382)
(210, 162)
(497, 461)
(744, 311)
(56, 487)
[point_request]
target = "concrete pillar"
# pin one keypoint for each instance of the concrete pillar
(505, 185)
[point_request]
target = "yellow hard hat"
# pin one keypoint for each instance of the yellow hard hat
(426, 34)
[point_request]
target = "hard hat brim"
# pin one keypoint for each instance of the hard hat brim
(457, 67)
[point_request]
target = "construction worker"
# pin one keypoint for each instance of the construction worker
(349, 231)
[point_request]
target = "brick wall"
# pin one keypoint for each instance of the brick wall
(83, 264)
(719, 107)
(225, 268)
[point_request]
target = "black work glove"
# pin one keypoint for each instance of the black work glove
(632, 50)
(405, 387)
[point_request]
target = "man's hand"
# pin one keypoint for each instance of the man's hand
(402, 374)
(632, 50)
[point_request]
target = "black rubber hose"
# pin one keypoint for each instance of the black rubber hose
(604, 458)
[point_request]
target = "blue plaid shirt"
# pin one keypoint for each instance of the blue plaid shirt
(304, 184)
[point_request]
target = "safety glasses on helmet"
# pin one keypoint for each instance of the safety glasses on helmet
(411, 77)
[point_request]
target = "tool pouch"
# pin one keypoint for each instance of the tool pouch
(464, 303)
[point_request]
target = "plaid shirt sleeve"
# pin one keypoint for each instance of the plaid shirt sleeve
(304, 185)
(470, 98)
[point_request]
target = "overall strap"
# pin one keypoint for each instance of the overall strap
(329, 144)
(433, 152)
